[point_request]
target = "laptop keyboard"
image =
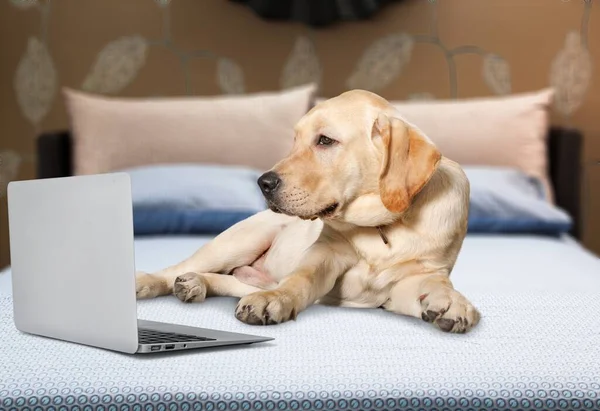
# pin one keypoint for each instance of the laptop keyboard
(146, 336)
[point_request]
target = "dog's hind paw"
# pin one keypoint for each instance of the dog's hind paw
(190, 287)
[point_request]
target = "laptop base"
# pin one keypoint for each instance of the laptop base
(158, 337)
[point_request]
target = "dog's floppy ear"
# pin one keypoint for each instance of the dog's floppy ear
(409, 161)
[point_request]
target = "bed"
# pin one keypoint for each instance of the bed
(537, 346)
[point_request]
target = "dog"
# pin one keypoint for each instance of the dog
(364, 212)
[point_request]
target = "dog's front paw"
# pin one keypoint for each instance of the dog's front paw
(149, 286)
(266, 307)
(449, 310)
(190, 287)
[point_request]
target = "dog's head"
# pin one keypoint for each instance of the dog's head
(346, 148)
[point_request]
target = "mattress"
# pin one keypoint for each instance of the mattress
(537, 347)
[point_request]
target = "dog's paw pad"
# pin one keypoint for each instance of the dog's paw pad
(247, 315)
(445, 324)
(190, 287)
(430, 315)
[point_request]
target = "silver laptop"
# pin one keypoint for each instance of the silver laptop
(73, 268)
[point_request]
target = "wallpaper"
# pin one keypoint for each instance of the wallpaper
(416, 50)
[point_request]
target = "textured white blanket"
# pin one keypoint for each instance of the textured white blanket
(537, 347)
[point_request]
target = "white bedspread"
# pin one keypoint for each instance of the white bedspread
(537, 346)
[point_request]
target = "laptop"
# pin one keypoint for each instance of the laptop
(73, 268)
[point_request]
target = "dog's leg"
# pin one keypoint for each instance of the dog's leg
(433, 298)
(192, 287)
(313, 279)
(252, 276)
(238, 246)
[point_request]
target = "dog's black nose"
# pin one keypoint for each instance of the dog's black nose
(269, 182)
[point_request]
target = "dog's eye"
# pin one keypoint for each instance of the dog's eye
(325, 141)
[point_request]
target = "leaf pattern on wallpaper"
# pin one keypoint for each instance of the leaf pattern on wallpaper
(303, 65)
(570, 74)
(9, 168)
(424, 96)
(230, 76)
(35, 81)
(496, 73)
(382, 62)
(117, 65)
(23, 4)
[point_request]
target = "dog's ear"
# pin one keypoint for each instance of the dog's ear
(409, 161)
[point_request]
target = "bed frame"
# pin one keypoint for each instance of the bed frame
(564, 147)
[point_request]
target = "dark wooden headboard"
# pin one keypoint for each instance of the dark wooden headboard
(564, 152)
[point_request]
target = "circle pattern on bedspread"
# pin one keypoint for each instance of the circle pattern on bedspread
(300, 378)
(382, 400)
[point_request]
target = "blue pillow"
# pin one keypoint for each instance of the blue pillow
(153, 221)
(192, 198)
(208, 199)
(505, 200)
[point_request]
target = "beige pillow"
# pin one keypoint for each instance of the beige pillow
(253, 130)
(497, 131)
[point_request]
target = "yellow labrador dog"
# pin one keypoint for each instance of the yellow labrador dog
(364, 212)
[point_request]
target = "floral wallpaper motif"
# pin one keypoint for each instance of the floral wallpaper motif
(381, 63)
(571, 73)
(119, 62)
(117, 65)
(303, 65)
(36, 79)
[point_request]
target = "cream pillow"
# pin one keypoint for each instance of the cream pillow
(253, 130)
(497, 131)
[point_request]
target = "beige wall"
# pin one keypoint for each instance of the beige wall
(442, 49)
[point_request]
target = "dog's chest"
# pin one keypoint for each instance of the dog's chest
(374, 247)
